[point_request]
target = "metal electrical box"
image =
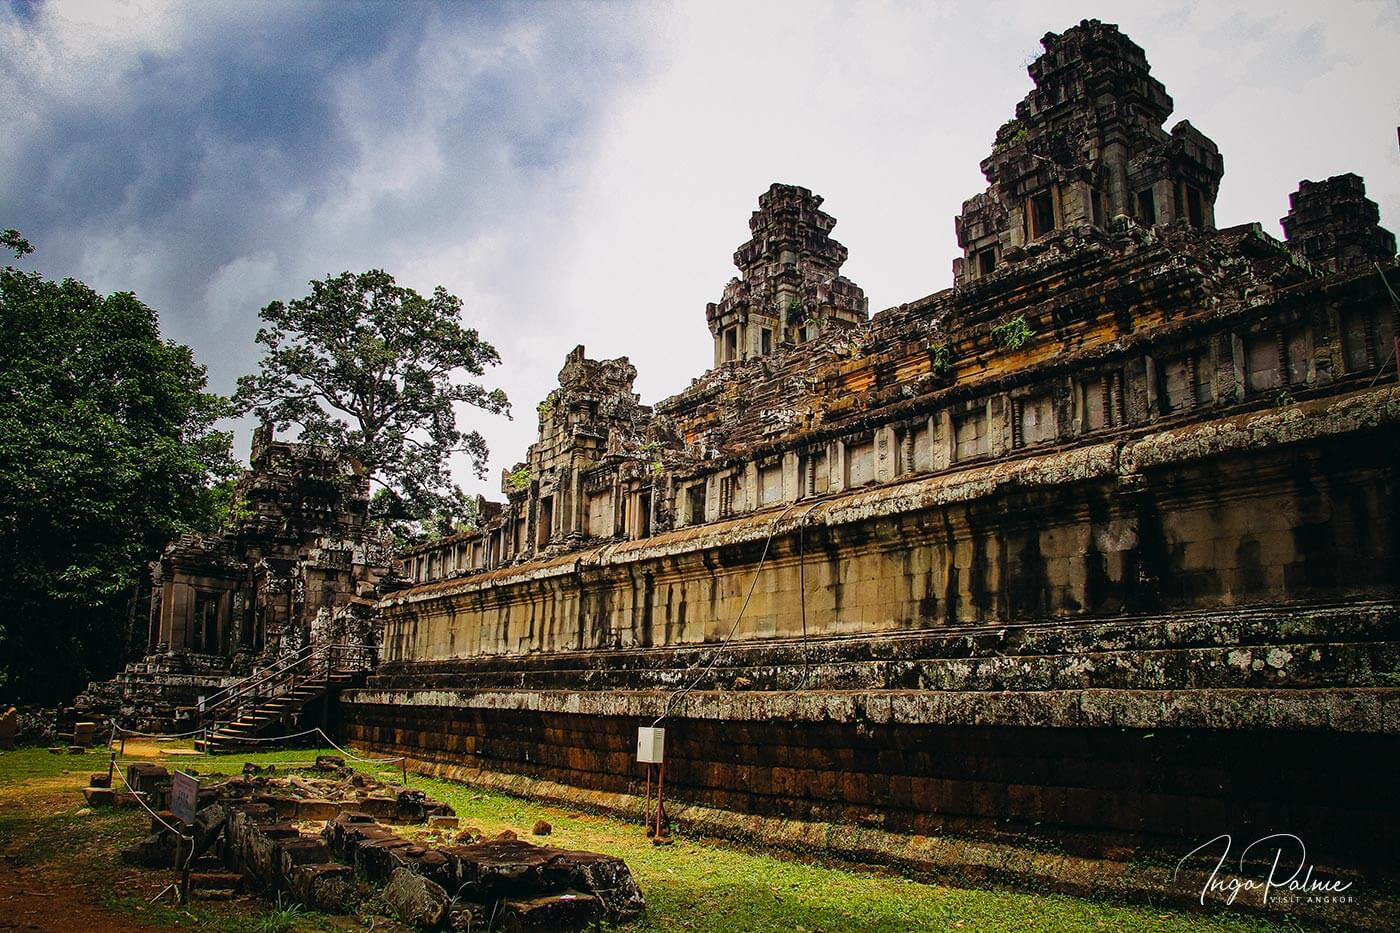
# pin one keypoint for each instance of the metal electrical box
(651, 744)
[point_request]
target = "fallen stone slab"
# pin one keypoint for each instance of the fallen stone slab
(318, 809)
(347, 829)
(415, 899)
(209, 824)
(302, 850)
(155, 851)
(566, 911)
(144, 777)
(329, 888)
(374, 855)
(512, 868)
(216, 881)
(431, 863)
(100, 796)
(609, 879)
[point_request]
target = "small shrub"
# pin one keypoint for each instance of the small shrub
(546, 408)
(1012, 334)
(518, 479)
(940, 359)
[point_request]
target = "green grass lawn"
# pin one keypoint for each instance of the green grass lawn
(694, 884)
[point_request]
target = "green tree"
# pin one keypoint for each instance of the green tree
(107, 450)
(377, 370)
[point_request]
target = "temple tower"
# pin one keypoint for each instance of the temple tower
(1086, 147)
(1334, 226)
(790, 287)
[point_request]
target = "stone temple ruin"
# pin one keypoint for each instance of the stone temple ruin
(1091, 556)
(1095, 551)
(329, 836)
(297, 565)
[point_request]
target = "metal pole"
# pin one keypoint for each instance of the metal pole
(185, 871)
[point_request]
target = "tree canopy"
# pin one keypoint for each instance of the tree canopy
(376, 370)
(107, 451)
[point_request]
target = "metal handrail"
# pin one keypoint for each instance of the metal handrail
(218, 699)
(230, 701)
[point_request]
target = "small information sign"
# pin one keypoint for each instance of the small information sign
(184, 796)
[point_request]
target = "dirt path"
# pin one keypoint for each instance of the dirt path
(50, 878)
(36, 899)
(58, 860)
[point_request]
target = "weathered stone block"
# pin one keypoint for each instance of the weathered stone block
(99, 796)
(416, 900)
(317, 809)
(328, 888)
(155, 851)
(565, 911)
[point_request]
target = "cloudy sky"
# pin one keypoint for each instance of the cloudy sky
(581, 173)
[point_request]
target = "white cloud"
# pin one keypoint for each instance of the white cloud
(583, 173)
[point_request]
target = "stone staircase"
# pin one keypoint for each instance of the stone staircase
(279, 701)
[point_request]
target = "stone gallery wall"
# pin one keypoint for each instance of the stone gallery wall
(1094, 554)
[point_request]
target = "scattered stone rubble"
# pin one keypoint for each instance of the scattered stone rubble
(326, 839)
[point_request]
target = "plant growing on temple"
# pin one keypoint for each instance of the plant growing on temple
(546, 408)
(518, 478)
(1013, 333)
(940, 359)
(107, 451)
(378, 371)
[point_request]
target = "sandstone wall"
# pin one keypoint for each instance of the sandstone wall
(1277, 505)
(1116, 651)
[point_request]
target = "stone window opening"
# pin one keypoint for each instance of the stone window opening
(1146, 208)
(1103, 402)
(731, 344)
(860, 462)
(206, 623)
(1195, 207)
(695, 503)
(1368, 339)
(1295, 355)
(726, 496)
(986, 260)
(639, 525)
(1185, 383)
(1190, 206)
(1042, 214)
(546, 520)
(765, 336)
(1032, 421)
(598, 505)
(813, 470)
(770, 483)
(1263, 354)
